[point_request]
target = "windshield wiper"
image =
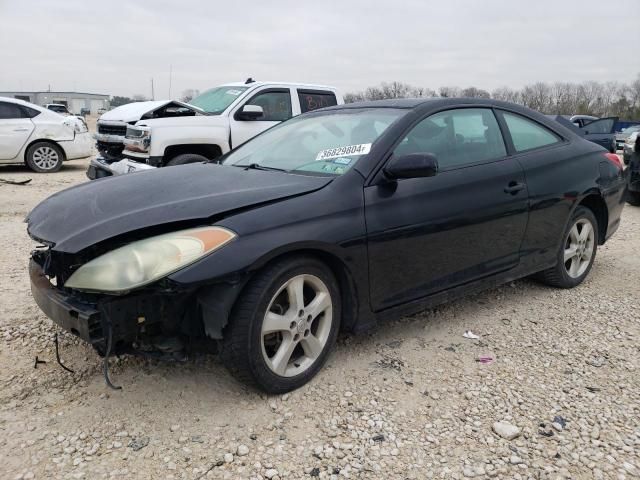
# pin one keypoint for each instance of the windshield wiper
(257, 166)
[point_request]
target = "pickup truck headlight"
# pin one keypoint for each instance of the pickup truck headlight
(137, 139)
(145, 261)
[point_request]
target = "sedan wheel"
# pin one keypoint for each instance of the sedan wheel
(296, 327)
(44, 157)
(579, 248)
(283, 325)
(577, 251)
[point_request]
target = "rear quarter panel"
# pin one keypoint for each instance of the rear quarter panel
(558, 178)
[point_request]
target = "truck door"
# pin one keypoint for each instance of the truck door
(276, 105)
(15, 129)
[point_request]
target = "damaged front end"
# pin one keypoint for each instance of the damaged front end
(137, 322)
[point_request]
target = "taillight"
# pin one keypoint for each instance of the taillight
(615, 159)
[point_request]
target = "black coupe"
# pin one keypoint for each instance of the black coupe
(330, 221)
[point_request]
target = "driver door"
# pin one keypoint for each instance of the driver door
(276, 105)
(468, 221)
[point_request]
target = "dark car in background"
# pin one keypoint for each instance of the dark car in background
(333, 220)
(633, 195)
(597, 130)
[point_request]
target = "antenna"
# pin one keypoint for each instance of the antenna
(153, 97)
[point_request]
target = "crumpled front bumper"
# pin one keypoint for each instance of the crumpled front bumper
(100, 167)
(128, 317)
(81, 319)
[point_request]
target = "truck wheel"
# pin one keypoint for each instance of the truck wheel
(283, 325)
(186, 158)
(44, 157)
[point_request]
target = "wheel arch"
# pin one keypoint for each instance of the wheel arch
(598, 206)
(208, 150)
(217, 301)
(42, 140)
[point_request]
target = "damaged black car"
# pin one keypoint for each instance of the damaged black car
(330, 221)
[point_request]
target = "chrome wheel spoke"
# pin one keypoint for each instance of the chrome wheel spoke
(585, 232)
(318, 305)
(570, 253)
(275, 323)
(574, 235)
(295, 291)
(281, 359)
(575, 266)
(312, 346)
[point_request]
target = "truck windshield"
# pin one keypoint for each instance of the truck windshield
(216, 100)
(324, 144)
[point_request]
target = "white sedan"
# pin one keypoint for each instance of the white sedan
(39, 137)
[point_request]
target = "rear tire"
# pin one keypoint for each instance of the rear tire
(283, 325)
(633, 198)
(44, 157)
(185, 159)
(576, 253)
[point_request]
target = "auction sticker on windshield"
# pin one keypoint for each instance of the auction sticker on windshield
(337, 152)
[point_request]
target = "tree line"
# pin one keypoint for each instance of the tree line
(559, 98)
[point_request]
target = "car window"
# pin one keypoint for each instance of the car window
(10, 110)
(603, 126)
(276, 105)
(456, 137)
(313, 100)
(328, 143)
(216, 100)
(527, 134)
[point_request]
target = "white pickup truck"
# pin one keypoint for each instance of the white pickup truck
(175, 133)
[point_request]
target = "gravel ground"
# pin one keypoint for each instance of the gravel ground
(560, 399)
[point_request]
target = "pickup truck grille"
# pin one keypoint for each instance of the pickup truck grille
(112, 129)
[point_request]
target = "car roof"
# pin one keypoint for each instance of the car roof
(434, 102)
(17, 101)
(288, 84)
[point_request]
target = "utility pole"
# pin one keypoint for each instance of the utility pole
(153, 97)
(170, 72)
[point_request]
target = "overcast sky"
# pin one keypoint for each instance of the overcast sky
(116, 47)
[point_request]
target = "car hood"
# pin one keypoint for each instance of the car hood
(81, 216)
(132, 112)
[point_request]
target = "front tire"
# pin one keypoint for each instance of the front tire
(577, 251)
(44, 157)
(283, 325)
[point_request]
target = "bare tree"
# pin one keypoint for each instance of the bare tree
(138, 97)
(473, 92)
(590, 98)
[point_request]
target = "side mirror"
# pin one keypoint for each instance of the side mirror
(414, 165)
(250, 112)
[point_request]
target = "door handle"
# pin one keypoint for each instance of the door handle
(20, 129)
(514, 187)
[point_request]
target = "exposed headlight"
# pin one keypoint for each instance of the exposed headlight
(137, 139)
(145, 261)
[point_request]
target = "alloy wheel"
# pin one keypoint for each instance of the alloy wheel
(45, 158)
(579, 248)
(297, 325)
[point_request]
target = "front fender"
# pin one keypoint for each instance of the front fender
(163, 137)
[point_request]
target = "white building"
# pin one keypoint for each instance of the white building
(75, 101)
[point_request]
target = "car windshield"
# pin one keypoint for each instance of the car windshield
(327, 143)
(58, 108)
(216, 100)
